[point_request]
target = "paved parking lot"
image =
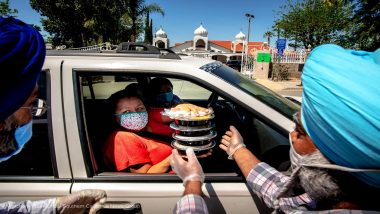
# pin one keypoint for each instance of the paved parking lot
(290, 87)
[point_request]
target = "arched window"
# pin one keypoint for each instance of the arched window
(200, 44)
(160, 44)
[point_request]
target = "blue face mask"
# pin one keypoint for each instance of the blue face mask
(164, 98)
(22, 135)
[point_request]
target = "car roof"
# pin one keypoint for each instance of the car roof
(126, 49)
(156, 58)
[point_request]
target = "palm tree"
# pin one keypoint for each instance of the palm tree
(136, 11)
(268, 35)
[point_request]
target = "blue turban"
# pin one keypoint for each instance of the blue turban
(341, 107)
(22, 54)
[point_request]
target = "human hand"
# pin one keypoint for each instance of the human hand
(79, 202)
(231, 142)
(189, 170)
(209, 153)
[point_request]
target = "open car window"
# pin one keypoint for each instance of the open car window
(259, 137)
(37, 156)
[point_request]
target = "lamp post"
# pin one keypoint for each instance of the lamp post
(249, 16)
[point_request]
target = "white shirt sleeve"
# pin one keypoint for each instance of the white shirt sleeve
(33, 207)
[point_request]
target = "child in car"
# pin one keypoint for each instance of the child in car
(127, 148)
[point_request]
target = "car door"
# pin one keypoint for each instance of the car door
(41, 170)
(87, 85)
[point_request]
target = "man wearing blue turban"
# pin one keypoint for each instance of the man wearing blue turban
(335, 146)
(22, 54)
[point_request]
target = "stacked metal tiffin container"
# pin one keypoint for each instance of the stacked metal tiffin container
(197, 132)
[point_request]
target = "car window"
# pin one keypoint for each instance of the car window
(101, 87)
(187, 90)
(279, 103)
(98, 128)
(35, 158)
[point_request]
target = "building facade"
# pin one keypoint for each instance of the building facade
(202, 46)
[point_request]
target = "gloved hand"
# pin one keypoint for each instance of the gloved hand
(231, 142)
(189, 170)
(79, 202)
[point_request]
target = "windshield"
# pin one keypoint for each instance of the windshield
(272, 99)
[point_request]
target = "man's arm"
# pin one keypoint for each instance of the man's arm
(245, 160)
(192, 176)
(265, 181)
(193, 187)
(232, 143)
(191, 201)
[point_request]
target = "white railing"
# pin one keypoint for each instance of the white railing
(292, 57)
(98, 47)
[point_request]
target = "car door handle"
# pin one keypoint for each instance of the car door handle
(124, 207)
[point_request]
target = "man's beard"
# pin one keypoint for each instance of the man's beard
(317, 182)
(7, 141)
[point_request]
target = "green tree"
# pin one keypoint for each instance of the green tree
(78, 23)
(148, 36)
(151, 31)
(366, 25)
(137, 10)
(314, 22)
(65, 20)
(5, 10)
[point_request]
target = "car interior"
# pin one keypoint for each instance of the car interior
(262, 139)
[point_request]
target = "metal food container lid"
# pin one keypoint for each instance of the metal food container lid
(197, 138)
(200, 118)
(187, 116)
(192, 128)
(179, 146)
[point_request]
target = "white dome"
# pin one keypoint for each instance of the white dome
(161, 34)
(201, 31)
(240, 36)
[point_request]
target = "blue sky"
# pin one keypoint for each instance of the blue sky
(223, 19)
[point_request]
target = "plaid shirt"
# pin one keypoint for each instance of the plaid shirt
(191, 204)
(267, 183)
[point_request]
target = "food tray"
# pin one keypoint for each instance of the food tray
(198, 150)
(211, 135)
(192, 131)
(194, 121)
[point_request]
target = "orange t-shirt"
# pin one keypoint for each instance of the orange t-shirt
(124, 149)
